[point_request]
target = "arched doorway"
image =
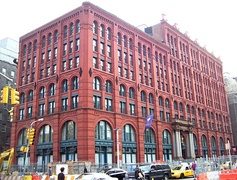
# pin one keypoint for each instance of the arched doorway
(149, 145)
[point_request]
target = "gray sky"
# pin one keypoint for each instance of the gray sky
(211, 22)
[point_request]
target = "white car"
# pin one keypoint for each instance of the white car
(97, 176)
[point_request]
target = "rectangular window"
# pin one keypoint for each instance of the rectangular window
(48, 71)
(29, 113)
(122, 107)
(119, 71)
(102, 64)
(102, 51)
(168, 117)
(64, 66)
(125, 57)
(55, 53)
(71, 47)
(41, 73)
(119, 55)
(132, 75)
(54, 69)
(43, 57)
(41, 109)
(51, 107)
(64, 104)
(21, 114)
(77, 61)
(74, 101)
(64, 49)
(108, 104)
(109, 67)
(132, 109)
(95, 45)
(161, 115)
(95, 63)
(77, 44)
(97, 102)
(49, 55)
(144, 111)
(29, 62)
(131, 60)
(126, 73)
(34, 61)
(109, 51)
(70, 63)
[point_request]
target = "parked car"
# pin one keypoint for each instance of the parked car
(118, 173)
(97, 176)
(156, 171)
(182, 171)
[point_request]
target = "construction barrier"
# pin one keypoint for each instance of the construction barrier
(202, 176)
(228, 175)
(213, 175)
(12, 178)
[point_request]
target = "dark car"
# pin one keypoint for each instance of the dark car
(118, 173)
(156, 171)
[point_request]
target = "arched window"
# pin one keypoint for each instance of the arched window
(131, 93)
(55, 36)
(22, 137)
(213, 142)
(125, 42)
(102, 30)
(204, 141)
(188, 108)
(180, 107)
(193, 111)
(95, 27)
(78, 26)
(49, 39)
(130, 43)
(167, 103)
(143, 96)
(144, 50)
(149, 136)
(42, 92)
(69, 131)
(160, 101)
(71, 29)
(30, 96)
(96, 84)
(65, 32)
(52, 89)
(103, 131)
(109, 34)
(166, 139)
(122, 90)
(65, 86)
(22, 98)
(30, 47)
(139, 48)
(119, 39)
(75, 83)
(151, 100)
(43, 41)
(35, 45)
(175, 105)
(128, 134)
(108, 86)
(45, 134)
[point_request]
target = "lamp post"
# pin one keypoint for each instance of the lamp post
(28, 143)
(117, 141)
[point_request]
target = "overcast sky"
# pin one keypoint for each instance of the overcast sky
(211, 22)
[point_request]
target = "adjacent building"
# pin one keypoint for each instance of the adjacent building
(95, 78)
(8, 71)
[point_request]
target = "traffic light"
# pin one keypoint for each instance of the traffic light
(15, 97)
(4, 95)
(31, 136)
(28, 133)
(24, 149)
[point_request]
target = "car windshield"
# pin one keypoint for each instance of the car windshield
(145, 168)
(177, 168)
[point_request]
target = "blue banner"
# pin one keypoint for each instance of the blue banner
(149, 120)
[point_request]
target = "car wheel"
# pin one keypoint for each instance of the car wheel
(166, 177)
(182, 176)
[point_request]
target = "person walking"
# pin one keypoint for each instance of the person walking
(50, 171)
(138, 173)
(85, 170)
(61, 175)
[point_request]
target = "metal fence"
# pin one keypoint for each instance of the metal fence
(203, 165)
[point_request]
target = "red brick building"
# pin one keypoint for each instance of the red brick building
(91, 75)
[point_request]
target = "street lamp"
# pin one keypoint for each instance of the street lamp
(117, 141)
(28, 142)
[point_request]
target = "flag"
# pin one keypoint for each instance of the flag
(149, 120)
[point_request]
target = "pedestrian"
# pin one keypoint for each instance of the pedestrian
(50, 171)
(85, 170)
(61, 175)
(194, 166)
(138, 173)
